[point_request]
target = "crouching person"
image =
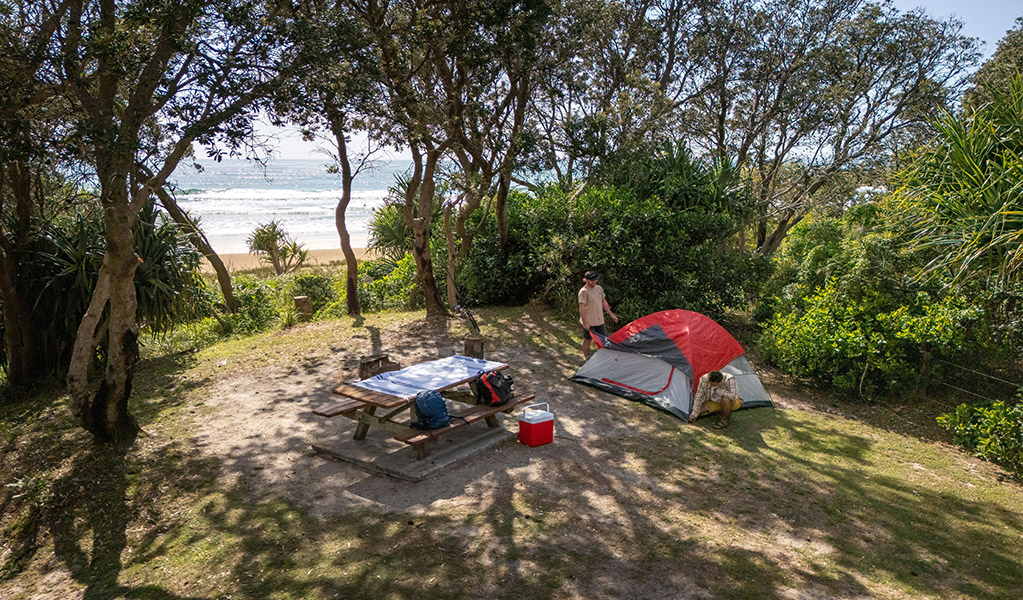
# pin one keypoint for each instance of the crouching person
(715, 387)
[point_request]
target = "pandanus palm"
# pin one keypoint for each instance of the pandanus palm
(964, 192)
(272, 244)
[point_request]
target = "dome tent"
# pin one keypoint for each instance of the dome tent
(659, 359)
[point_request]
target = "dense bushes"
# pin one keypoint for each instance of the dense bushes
(992, 431)
(844, 308)
(64, 261)
(870, 343)
(318, 287)
(657, 247)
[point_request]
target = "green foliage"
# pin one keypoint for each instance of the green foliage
(963, 196)
(869, 343)
(320, 288)
(395, 290)
(991, 431)
(65, 261)
(168, 283)
(997, 73)
(388, 235)
(843, 307)
(683, 182)
(258, 307)
(652, 255)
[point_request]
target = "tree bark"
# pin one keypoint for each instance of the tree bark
(420, 226)
(449, 237)
(504, 177)
(337, 126)
(772, 242)
(109, 324)
(25, 359)
(501, 209)
(198, 239)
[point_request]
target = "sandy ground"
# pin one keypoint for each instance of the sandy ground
(322, 257)
(270, 449)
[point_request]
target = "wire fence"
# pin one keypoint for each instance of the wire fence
(1015, 385)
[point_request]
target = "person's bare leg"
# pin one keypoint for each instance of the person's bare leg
(586, 349)
(726, 411)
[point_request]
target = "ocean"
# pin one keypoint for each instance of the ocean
(233, 197)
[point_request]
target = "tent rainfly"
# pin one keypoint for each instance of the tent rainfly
(659, 359)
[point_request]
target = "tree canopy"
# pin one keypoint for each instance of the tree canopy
(734, 118)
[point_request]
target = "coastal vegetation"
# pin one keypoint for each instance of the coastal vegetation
(221, 497)
(826, 175)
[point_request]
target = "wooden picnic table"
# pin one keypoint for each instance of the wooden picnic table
(361, 404)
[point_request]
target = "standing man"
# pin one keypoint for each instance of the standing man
(715, 387)
(592, 306)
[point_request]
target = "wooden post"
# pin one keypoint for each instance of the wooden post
(925, 373)
(474, 347)
(304, 308)
(376, 364)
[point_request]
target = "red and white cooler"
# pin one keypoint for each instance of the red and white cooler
(536, 425)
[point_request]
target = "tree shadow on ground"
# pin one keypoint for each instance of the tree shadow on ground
(628, 502)
(90, 515)
(853, 522)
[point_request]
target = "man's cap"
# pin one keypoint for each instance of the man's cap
(591, 275)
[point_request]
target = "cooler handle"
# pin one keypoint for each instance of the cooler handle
(528, 407)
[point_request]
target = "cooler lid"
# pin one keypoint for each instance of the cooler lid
(536, 415)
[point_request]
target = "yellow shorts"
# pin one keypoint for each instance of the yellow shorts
(712, 406)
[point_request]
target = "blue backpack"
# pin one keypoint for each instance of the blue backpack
(432, 411)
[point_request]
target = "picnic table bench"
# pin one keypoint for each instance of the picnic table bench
(394, 392)
(418, 438)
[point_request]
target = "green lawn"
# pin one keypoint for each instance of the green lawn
(627, 503)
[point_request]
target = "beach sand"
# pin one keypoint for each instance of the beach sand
(318, 257)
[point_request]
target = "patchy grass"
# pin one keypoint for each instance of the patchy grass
(784, 503)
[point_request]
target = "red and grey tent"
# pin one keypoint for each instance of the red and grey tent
(659, 359)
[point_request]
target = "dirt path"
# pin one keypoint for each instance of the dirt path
(270, 448)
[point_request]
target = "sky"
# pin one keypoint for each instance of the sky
(984, 19)
(987, 20)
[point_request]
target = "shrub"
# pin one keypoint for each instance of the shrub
(393, 291)
(319, 288)
(272, 244)
(993, 432)
(652, 257)
(258, 311)
(60, 270)
(844, 307)
(867, 343)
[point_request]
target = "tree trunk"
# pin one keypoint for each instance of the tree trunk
(337, 126)
(25, 361)
(351, 262)
(504, 178)
(424, 263)
(421, 238)
(773, 241)
(109, 325)
(473, 201)
(449, 237)
(198, 239)
(417, 217)
(501, 209)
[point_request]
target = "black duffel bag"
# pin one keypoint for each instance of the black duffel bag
(493, 388)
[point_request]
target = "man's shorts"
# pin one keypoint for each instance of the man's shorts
(598, 328)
